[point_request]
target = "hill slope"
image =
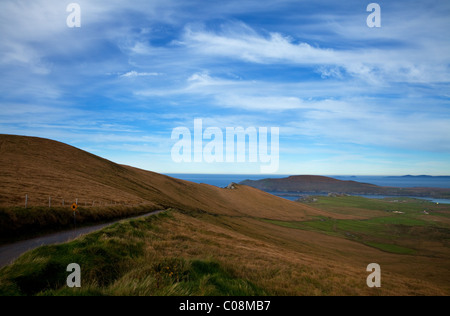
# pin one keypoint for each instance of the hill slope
(217, 241)
(41, 168)
(319, 184)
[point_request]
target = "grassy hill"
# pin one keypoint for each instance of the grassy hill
(214, 241)
(43, 168)
(320, 184)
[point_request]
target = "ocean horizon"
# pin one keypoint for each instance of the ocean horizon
(407, 181)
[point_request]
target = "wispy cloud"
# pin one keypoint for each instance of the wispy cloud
(373, 64)
(137, 69)
(134, 73)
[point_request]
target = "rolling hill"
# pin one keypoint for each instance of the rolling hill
(42, 168)
(214, 241)
(320, 184)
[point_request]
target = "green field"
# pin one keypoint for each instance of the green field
(391, 225)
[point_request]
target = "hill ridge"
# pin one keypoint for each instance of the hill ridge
(322, 184)
(42, 168)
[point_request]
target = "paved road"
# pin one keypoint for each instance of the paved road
(9, 253)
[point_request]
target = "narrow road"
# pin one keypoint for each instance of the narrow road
(9, 253)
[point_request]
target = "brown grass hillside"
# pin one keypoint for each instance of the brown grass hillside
(253, 242)
(43, 168)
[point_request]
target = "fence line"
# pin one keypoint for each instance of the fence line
(105, 202)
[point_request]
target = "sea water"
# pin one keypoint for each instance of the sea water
(223, 180)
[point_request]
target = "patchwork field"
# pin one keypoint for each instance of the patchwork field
(404, 226)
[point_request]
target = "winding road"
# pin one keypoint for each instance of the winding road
(10, 252)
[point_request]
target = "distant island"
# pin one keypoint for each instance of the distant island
(321, 184)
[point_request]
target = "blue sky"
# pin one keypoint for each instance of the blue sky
(348, 99)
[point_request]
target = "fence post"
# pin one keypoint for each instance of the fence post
(49, 202)
(26, 200)
(63, 203)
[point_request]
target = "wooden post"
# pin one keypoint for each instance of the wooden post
(63, 202)
(26, 200)
(49, 202)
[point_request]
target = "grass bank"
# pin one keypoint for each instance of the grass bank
(117, 261)
(23, 223)
(173, 253)
(200, 254)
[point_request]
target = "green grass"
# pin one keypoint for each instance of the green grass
(24, 223)
(168, 277)
(388, 231)
(113, 262)
(174, 253)
(362, 231)
(103, 260)
(361, 206)
(392, 248)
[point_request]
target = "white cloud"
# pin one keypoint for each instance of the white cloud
(239, 41)
(316, 72)
(258, 103)
(201, 78)
(134, 73)
(374, 128)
